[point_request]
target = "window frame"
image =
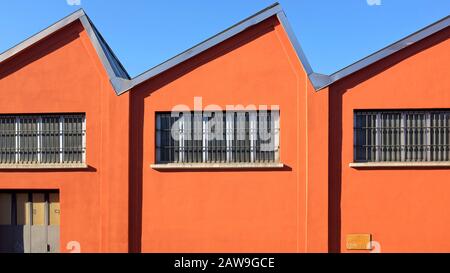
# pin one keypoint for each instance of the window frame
(424, 156)
(40, 134)
(227, 127)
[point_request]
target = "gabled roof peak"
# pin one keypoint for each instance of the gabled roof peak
(40, 35)
(118, 76)
(122, 82)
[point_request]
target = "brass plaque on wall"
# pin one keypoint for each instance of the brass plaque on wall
(360, 241)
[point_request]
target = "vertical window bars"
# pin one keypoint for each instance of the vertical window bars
(402, 136)
(218, 137)
(43, 139)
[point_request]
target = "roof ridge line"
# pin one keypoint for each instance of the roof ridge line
(218, 38)
(15, 49)
(122, 82)
(390, 49)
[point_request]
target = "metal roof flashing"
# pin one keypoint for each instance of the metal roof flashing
(208, 43)
(117, 74)
(389, 50)
(41, 35)
(122, 82)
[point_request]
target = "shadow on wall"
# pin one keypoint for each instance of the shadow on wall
(12, 239)
(283, 169)
(138, 96)
(88, 169)
(336, 94)
(44, 47)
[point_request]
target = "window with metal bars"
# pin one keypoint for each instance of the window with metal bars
(42, 139)
(218, 137)
(402, 136)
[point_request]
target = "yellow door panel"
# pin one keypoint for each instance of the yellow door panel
(38, 209)
(54, 209)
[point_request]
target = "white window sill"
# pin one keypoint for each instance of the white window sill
(42, 166)
(436, 164)
(176, 166)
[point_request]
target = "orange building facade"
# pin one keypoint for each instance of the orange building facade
(310, 195)
(62, 74)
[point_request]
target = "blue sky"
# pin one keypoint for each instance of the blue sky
(144, 33)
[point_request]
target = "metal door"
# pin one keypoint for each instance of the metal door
(29, 222)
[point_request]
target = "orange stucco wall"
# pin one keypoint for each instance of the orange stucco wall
(63, 74)
(120, 203)
(229, 211)
(406, 210)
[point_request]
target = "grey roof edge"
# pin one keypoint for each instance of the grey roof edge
(40, 35)
(121, 81)
(388, 50)
(275, 9)
(317, 80)
(260, 16)
(118, 67)
(117, 74)
(295, 43)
